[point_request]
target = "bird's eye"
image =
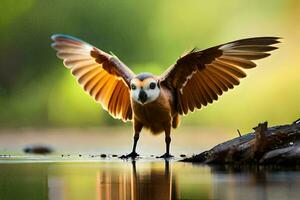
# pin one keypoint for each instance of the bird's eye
(133, 87)
(152, 86)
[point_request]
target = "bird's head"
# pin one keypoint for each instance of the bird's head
(144, 88)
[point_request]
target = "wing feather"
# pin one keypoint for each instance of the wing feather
(112, 105)
(198, 99)
(222, 78)
(92, 83)
(103, 76)
(88, 75)
(230, 78)
(207, 89)
(230, 68)
(119, 105)
(77, 71)
(190, 98)
(202, 94)
(101, 91)
(212, 83)
(218, 80)
(94, 91)
(199, 77)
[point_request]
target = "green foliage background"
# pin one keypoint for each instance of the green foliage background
(36, 90)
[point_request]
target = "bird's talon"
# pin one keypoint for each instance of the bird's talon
(166, 155)
(131, 155)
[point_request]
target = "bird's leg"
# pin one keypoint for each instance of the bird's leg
(137, 129)
(168, 141)
(133, 153)
(167, 154)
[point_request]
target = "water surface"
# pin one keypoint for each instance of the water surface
(143, 179)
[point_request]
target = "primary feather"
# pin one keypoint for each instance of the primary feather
(103, 76)
(199, 77)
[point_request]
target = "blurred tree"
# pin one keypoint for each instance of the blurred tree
(35, 89)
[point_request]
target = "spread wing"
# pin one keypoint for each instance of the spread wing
(102, 75)
(199, 77)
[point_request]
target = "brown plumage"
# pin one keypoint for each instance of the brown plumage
(155, 102)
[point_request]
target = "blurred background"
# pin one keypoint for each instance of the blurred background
(37, 91)
(41, 103)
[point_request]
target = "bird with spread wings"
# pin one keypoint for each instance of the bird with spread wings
(156, 102)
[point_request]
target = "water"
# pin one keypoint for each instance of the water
(87, 177)
(143, 179)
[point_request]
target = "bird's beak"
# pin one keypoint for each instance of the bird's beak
(142, 96)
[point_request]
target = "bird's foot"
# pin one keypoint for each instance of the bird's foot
(166, 155)
(131, 155)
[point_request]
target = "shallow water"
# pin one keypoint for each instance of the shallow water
(81, 173)
(143, 179)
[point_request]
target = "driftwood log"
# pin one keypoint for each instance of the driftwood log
(278, 145)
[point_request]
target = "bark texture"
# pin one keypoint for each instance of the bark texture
(278, 145)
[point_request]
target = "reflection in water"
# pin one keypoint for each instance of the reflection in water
(154, 184)
(258, 183)
(145, 180)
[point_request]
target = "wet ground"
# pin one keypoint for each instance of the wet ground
(77, 169)
(112, 140)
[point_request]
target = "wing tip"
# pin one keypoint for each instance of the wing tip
(264, 40)
(274, 39)
(52, 45)
(58, 36)
(277, 40)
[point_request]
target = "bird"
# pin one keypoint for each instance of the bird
(153, 102)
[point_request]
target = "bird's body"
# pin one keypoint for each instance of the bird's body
(156, 102)
(156, 115)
